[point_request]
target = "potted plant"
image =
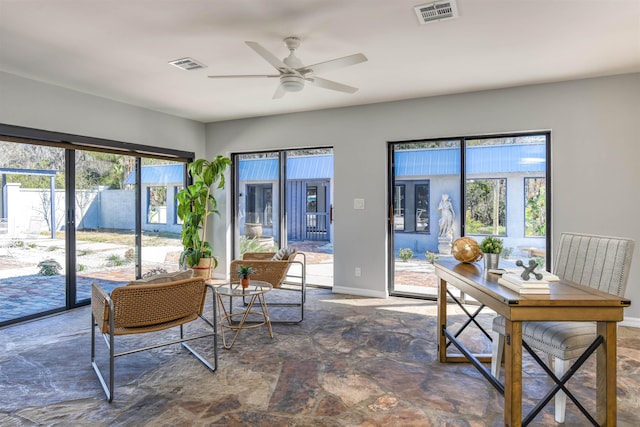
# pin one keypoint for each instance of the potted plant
(195, 205)
(491, 247)
(244, 271)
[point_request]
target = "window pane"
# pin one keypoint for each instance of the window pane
(32, 245)
(157, 207)
(422, 207)
(105, 221)
(505, 192)
(398, 208)
(426, 175)
(161, 242)
(535, 214)
(486, 206)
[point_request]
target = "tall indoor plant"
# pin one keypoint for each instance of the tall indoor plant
(195, 205)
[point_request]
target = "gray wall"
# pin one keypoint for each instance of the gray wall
(28, 103)
(595, 150)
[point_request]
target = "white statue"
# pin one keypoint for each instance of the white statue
(446, 217)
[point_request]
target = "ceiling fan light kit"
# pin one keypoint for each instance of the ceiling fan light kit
(292, 83)
(293, 73)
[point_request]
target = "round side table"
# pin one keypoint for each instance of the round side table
(254, 292)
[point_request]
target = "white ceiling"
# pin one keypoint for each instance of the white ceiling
(120, 49)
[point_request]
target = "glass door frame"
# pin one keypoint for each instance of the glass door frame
(391, 183)
(71, 143)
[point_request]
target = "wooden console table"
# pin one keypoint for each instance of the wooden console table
(567, 302)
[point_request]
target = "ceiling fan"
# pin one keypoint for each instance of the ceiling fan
(293, 74)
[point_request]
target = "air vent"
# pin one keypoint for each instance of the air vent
(436, 11)
(187, 64)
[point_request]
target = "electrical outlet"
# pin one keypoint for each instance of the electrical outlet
(358, 272)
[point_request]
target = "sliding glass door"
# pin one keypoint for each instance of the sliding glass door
(441, 190)
(425, 189)
(284, 198)
(73, 216)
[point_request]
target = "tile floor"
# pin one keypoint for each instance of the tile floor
(352, 362)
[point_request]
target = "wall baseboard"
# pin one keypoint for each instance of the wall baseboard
(359, 292)
(631, 322)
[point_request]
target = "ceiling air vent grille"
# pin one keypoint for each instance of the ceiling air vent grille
(187, 64)
(436, 11)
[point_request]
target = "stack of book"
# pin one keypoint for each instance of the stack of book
(516, 283)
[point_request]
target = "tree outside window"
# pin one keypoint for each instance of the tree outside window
(535, 214)
(486, 203)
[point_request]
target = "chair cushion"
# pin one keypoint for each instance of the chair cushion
(164, 278)
(283, 254)
(565, 340)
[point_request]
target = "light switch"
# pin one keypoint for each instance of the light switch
(358, 203)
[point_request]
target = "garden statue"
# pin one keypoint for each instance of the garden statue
(446, 225)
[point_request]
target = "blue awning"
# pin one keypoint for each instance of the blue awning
(298, 168)
(479, 160)
(159, 174)
(408, 163)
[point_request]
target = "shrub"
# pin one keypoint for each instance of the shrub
(540, 261)
(252, 244)
(432, 256)
(116, 261)
(49, 267)
(506, 253)
(405, 254)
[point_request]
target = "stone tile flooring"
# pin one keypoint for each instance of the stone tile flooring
(354, 361)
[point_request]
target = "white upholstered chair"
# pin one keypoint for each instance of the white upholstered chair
(596, 261)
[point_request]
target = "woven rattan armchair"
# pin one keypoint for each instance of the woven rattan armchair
(142, 308)
(285, 275)
(599, 262)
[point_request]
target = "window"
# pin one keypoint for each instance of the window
(260, 204)
(535, 214)
(398, 208)
(496, 184)
(422, 207)
(157, 208)
(486, 206)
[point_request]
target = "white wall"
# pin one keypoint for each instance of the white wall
(595, 145)
(28, 103)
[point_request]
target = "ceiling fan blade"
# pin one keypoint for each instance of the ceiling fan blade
(333, 64)
(269, 57)
(279, 93)
(329, 84)
(242, 76)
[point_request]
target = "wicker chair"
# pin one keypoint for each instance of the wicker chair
(599, 262)
(142, 308)
(278, 273)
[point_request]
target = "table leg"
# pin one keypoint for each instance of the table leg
(265, 313)
(513, 374)
(606, 375)
(442, 320)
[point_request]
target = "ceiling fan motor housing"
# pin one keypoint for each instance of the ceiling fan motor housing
(292, 82)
